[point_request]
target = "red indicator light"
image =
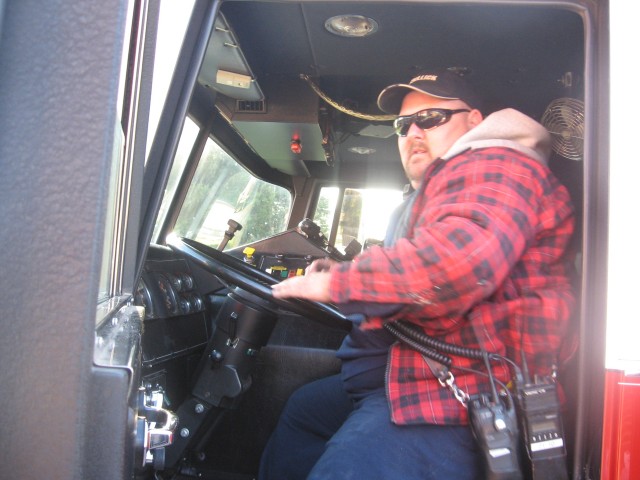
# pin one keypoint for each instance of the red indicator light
(296, 145)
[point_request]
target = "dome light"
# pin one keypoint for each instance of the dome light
(351, 25)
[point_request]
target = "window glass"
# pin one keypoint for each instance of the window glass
(104, 290)
(364, 213)
(172, 25)
(221, 190)
(174, 15)
(325, 209)
(107, 286)
(187, 140)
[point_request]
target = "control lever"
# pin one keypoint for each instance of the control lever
(229, 233)
(312, 231)
(352, 249)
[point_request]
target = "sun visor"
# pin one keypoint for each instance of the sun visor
(225, 68)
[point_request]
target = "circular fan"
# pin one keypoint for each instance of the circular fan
(564, 119)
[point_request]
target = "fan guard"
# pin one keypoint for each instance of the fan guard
(564, 119)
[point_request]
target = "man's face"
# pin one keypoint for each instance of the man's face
(419, 148)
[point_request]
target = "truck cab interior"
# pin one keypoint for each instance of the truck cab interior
(286, 94)
(270, 152)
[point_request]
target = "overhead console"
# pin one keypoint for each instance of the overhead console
(281, 122)
(284, 128)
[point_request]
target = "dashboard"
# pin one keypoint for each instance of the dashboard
(181, 301)
(200, 338)
(168, 289)
(175, 311)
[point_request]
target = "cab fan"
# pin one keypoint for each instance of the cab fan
(564, 119)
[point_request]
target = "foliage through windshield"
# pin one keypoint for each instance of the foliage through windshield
(222, 190)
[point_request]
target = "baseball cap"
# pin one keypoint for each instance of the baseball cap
(444, 84)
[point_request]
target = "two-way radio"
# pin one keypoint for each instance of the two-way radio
(494, 419)
(495, 427)
(543, 435)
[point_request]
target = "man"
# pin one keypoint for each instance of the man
(477, 260)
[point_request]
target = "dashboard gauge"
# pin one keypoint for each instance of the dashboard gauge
(182, 282)
(197, 303)
(187, 281)
(142, 297)
(185, 305)
(176, 281)
(169, 299)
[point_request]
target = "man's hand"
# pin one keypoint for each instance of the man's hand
(314, 285)
(320, 265)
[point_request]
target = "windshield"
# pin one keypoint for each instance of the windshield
(222, 190)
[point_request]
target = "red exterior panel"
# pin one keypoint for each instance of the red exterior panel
(621, 428)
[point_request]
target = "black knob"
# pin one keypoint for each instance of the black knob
(216, 356)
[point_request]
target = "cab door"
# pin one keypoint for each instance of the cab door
(72, 128)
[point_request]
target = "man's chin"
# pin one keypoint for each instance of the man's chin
(417, 169)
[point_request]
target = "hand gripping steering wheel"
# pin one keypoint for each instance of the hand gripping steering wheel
(248, 278)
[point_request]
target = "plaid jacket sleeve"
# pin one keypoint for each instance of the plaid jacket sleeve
(473, 220)
(482, 265)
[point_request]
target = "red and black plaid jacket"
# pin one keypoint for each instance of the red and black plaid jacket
(483, 264)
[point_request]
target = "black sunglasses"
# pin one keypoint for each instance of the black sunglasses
(424, 119)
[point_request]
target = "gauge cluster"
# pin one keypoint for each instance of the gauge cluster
(167, 289)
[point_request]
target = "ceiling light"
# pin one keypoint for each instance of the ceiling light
(362, 150)
(351, 25)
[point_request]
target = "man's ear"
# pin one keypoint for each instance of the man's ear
(475, 117)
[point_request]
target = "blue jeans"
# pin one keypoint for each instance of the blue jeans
(322, 434)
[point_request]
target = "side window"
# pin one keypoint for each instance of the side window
(363, 213)
(110, 268)
(187, 140)
(106, 287)
(172, 24)
(221, 190)
(325, 209)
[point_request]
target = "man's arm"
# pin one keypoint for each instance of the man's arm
(470, 227)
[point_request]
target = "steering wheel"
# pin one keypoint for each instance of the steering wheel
(254, 281)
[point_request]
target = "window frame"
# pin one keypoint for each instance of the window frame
(126, 173)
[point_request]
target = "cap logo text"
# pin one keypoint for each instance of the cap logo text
(432, 78)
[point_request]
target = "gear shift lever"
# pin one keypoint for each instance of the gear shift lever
(229, 233)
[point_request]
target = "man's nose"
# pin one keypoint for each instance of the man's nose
(415, 131)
